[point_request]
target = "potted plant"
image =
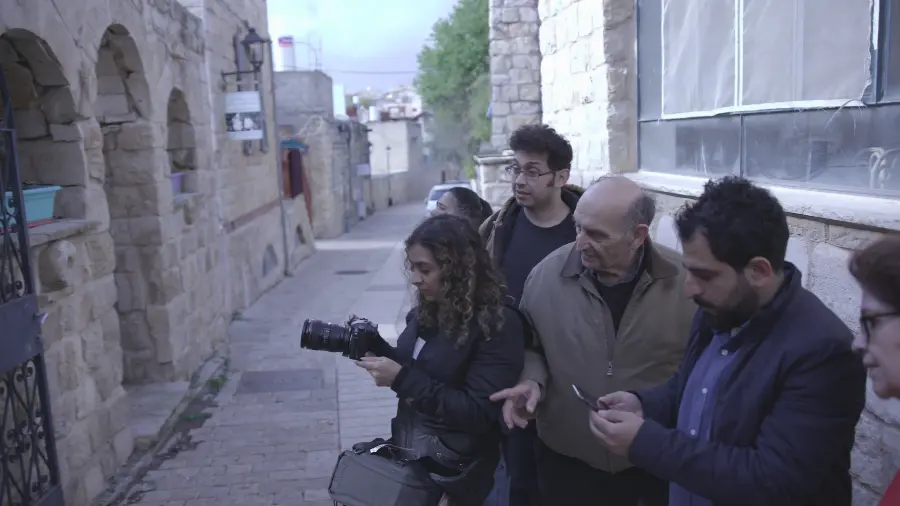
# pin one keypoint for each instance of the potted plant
(38, 202)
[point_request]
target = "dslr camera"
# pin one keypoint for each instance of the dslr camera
(352, 340)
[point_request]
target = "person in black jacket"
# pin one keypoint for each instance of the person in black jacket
(461, 344)
(764, 407)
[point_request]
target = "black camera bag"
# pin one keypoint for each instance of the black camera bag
(381, 474)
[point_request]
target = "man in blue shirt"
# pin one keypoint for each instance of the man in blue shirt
(764, 407)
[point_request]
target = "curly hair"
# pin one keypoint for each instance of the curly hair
(471, 287)
(473, 207)
(740, 220)
(542, 139)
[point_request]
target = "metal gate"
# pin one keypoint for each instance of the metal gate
(29, 474)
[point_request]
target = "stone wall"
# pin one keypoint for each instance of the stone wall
(301, 96)
(396, 146)
(589, 83)
(515, 67)
(336, 149)
(139, 280)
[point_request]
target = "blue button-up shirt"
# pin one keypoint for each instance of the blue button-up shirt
(698, 403)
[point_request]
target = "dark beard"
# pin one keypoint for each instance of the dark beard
(728, 319)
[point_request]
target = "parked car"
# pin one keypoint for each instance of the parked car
(438, 190)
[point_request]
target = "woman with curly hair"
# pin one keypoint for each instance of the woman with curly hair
(465, 203)
(461, 344)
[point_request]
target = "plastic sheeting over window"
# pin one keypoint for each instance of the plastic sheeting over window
(726, 55)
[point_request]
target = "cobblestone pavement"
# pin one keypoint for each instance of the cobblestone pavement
(284, 413)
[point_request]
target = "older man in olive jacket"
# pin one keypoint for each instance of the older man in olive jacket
(608, 314)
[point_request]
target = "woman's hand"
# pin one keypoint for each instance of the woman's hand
(383, 370)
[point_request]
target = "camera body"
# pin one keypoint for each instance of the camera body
(353, 339)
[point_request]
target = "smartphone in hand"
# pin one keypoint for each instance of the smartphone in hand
(590, 400)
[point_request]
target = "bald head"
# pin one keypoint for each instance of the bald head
(617, 198)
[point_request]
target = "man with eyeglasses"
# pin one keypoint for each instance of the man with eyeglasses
(764, 406)
(534, 222)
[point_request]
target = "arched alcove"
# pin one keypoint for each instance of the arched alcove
(140, 200)
(181, 144)
(50, 148)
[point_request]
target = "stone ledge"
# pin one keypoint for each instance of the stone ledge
(820, 205)
(60, 229)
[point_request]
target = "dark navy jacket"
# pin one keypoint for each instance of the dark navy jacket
(785, 415)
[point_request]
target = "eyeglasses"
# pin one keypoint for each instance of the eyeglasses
(531, 175)
(868, 322)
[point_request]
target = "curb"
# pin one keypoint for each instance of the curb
(132, 472)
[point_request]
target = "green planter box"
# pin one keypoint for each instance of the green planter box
(38, 203)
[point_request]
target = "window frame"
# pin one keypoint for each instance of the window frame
(877, 94)
(880, 14)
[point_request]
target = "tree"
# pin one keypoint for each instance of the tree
(454, 80)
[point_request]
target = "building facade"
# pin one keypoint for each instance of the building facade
(673, 92)
(164, 226)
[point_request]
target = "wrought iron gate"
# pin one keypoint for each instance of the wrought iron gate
(29, 474)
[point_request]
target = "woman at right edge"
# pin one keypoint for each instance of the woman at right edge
(461, 344)
(877, 269)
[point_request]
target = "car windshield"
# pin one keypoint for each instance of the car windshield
(437, 193)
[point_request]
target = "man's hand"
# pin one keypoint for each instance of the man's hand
(519, 403)
(624, 401)
(383, 370)
(616, 429)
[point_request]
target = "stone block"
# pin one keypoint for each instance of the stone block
(798, 254)
(832, 282)
(59, 266)
(164, 286)
(139, 200)
(132, 291)
(111, 106)
(135, 167)
(71, 202)
(850, 238)
(123, 444)
(135, 334)
(70, 372)
(110, 84)
(143, 231)
(96, 164)
(101, 252)
(65, 133)
(109, 377)
(139, 136)
(118, 410)
(92, 346)
(813, 230)
(868, 454)
(75, 313)
(58, 106)
(75, 448)
(666, 234)
(91, 134)
(30, 124)
(94, 481)
(59, 163)
(112, 334)
(103, 295)
(22, 97)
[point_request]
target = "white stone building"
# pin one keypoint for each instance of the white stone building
(801, 98)
(138, 279)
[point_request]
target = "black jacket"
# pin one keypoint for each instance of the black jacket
(785, 413)
(496, 231)
(445, 411)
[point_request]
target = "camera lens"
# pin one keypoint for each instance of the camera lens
(323, 336)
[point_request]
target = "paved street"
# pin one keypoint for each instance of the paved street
(284, 413)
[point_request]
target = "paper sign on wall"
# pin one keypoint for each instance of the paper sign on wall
(243, 116)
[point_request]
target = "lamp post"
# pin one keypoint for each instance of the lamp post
(254, 46)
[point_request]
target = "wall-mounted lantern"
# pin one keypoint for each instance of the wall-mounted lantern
(244, 112)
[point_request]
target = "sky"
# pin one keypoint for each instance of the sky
(365, 43)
